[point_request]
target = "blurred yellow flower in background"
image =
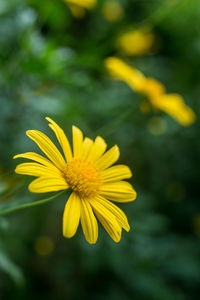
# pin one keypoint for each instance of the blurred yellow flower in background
(88, 172)
(112, 11)
(89, 4)
(172, 104)
(44, 246)
(136, 42)
(78, 7)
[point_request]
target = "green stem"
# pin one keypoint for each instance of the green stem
(31, 204)
(114, 124)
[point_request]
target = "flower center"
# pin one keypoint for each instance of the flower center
(83, 177)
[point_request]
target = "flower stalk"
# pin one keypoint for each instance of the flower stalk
(27, 205)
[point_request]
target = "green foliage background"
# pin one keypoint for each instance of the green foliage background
(51, 64)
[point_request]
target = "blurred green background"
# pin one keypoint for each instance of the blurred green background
(51, 64)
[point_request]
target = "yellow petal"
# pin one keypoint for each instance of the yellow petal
(100, 208)
(116, 173)
(117, 68)
(87, 145)
(152, 88)
(114, 210)
(34, 169)
(89, 222)
(48, 184)
(174, 105)
(46, 145)
(113, 230)
(121, 191)
(97, 149)
(77, 141)
(71, 215)
(108, 159)
(63, 140)
(35, 157)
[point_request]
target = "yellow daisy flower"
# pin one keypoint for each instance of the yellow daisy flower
(88, 172)
(172, 104)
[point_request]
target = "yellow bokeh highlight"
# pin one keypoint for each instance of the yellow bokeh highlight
(136, 42)
(145, 107)
(44, 246)
(112, 11)
(77, 12)
(157, 126)
(172, 104)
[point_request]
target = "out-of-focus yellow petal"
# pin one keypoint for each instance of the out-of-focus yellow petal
(108, 159)
(46, 145)
(121, 191)
(63, 140)
(98, 148)
(71, 215)
(77, 142)
(89, 222)
(116, 173)
(34, 169)
(113, 230)
(173, 105)
(120, 70)
(47, 184)
(152, 88)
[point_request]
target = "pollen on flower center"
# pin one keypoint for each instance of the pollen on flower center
(83, 177)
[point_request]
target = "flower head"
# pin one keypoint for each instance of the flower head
(87, 170)
(136, 42)
(172, 104)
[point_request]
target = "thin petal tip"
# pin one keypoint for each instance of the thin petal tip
(28, 132)
(49, 119)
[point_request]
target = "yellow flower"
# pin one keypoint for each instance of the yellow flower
(136, 42)
(78, 7)
(172, 104)
(88, 4)
(88, 173)
(112, 11)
